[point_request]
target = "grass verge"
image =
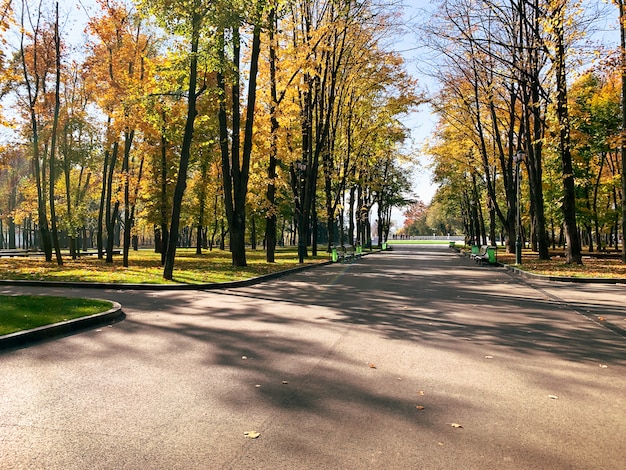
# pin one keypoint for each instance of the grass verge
(24, 312)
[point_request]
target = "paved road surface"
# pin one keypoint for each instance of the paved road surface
(329, 366)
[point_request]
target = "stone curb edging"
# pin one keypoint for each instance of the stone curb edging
(23, 338)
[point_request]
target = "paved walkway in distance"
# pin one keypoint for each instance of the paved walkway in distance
(331, 366)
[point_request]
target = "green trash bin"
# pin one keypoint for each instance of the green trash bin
(334, 255)
(492, 254)
(384, 246)
(475, 249)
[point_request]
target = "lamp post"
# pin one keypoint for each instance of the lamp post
(300, 168)
(518, 158)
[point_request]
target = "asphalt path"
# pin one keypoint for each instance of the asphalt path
(411, 359)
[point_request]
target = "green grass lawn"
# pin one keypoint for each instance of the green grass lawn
(25, 312)
(145, 267)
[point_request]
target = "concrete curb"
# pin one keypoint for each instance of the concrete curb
(23, 338)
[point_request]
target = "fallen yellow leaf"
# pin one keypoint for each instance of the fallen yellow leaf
(456, 425)
(252, 434)
(419, 407)
(371, 366)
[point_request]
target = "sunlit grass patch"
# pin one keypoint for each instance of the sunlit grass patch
(25, 312)
(145, 267)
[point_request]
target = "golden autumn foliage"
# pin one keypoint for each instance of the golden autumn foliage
(334, 104)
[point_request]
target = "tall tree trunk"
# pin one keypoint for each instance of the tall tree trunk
(112, 226)
(301, 202)
(573, 249)
(133, 205)
(128, 143)
(271, 216)
(68, 198)
(33, 88)
(163, 196)
(622, 30)
(204, 175)
(185, 152)
(111, 212)
(253, 234)
(534, 118)
(100, 224)
(101, 210)
(314, 226)
(53, 144)
(10, 219)
(351, 217)
(236, 165)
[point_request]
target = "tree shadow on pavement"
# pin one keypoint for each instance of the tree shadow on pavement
(329, 364)
(436, 300)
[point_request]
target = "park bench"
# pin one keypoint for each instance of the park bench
(336, 253)
(486, 255)
(478, 251)
(345, 252)
(349, 253)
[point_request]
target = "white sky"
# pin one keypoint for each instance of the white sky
(421, 122)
